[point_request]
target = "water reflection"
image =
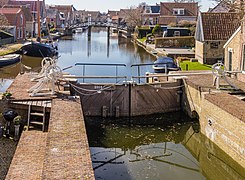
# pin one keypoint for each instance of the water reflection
(141, 151)
(167, 151)
(98, 49)
(101, 49)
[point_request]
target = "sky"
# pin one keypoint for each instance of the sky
(104, 5)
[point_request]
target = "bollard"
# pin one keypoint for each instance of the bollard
(186, 67)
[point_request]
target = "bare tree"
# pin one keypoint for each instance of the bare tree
(3, 22)
(3, 2)
(133, 16)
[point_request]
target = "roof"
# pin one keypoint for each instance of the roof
(10, 10)
(221, 7)
(51, 13)
(31, 3)
(233, 35)
(113, 13)
(219, 26)
(27, 13)
(166, 20)
(191, 9)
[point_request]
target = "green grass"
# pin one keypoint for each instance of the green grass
(194, 66)
(142, 39)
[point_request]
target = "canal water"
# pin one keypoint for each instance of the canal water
(169, 147)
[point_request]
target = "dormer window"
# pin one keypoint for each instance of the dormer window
(147, 9)
(178, 11)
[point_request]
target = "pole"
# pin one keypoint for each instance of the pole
(129, 102)
(38, 20)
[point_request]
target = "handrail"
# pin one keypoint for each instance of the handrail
(99, 64)
(93, 77)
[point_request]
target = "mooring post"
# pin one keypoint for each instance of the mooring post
(108, 31)
(89, 31)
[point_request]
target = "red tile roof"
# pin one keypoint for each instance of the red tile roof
(219, 26)
(10, 10)
(191, 9)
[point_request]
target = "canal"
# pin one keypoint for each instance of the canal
(166, 146)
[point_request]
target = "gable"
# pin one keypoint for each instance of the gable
(191, 9)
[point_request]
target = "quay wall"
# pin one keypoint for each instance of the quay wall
(224, 129)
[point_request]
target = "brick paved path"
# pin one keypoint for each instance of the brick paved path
(61, 153)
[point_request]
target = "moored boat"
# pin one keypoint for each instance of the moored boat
(164, 65)
(79, 30)
(36, 49)
(9, 59)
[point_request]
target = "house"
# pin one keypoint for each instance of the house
(235, 53)
(30, 23)
(80, 16)
(150, 14)
(16, 17)
(173, 13)
(212, 32)
(92, 16)
(112, 17)
(66, 15)
(52, 16)
(32, 6)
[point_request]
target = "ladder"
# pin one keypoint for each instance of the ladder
(36, 118)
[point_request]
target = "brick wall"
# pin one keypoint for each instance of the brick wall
(225, 130)
(235, 48)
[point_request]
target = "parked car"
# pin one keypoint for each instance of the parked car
(165, 63)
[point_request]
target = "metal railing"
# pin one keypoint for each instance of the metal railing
(101, 64)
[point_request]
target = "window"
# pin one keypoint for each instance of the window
(176, 33)
(243, 63)
(21, 20)
(178, 11)
(230, 59)
(147, 9)
(214, 45)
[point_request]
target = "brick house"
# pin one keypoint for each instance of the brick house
(32, 6)
(172, 12)
(30, 23)
(16, 17)
(150, 14)
(52, 17)
(92, 16)
(235, 53)
(212, 32)
(112, 17)
(66, 15)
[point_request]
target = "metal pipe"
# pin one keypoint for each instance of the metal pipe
(93, 77)
(99, 64)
